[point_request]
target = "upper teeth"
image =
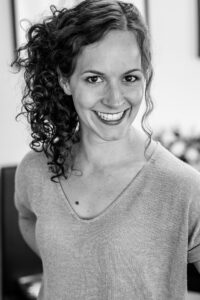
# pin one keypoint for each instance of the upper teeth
(109, 117)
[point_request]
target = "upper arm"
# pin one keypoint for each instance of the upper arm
(22, 199)
(25, 213)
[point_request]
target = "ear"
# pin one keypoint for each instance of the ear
(64, 83)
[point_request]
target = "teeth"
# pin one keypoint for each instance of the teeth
(110, 117)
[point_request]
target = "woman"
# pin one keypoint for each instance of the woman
(111, 213)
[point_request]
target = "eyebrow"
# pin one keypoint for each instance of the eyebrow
(100, 73)
(133, 70)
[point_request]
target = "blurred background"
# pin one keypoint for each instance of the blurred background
(174, 27)
(176, 60)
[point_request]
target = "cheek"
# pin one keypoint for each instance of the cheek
(82, 103)
(83, 99)
(135, 96)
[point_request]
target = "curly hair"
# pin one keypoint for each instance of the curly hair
(54, 44)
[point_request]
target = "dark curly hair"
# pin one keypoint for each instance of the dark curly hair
(55, 44)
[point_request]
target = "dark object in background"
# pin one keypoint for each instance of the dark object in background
(30, 285)
(193, 279)
(16, 258)
(18, 261)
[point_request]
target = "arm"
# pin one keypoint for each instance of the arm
(27, 183)
(27, 222)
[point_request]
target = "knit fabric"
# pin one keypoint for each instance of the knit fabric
(137, 248)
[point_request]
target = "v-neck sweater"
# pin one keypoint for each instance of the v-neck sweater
(137, 248)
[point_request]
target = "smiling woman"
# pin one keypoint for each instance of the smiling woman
(111, 213)
(105, 93)
(64, 62)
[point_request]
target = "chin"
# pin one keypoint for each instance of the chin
(113, 136)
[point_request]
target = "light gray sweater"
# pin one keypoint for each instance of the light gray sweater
(138, 248)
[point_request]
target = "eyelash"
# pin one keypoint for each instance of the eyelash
(88, 79)
(92, 77)
(132, 76)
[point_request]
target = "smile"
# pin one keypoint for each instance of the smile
(111, 119)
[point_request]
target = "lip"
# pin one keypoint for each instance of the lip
(112, 113)
(112, 122)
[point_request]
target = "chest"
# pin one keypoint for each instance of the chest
(89, 196)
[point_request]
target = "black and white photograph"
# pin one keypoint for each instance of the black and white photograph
(100, 150)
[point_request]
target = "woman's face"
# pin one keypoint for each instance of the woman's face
(107, 86)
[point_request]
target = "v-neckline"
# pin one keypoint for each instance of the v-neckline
(115, 201)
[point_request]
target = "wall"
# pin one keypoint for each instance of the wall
(176, 88)
(13, 138)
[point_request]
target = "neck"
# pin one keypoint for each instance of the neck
(98, 155)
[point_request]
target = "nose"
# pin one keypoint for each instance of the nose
(114, 97)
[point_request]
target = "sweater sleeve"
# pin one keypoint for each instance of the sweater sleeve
(194, 222)
(26, 190)
(28, 182)
(21, 197)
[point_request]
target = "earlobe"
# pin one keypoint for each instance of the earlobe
(66, 88)
(64, 84)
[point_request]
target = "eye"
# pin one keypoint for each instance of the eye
(130, 78)
(94, 79)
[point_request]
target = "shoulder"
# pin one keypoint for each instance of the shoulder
(32, 168)
(32, 162)
(173, 170)
(30, 176)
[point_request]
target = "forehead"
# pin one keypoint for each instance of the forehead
(117, 49)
